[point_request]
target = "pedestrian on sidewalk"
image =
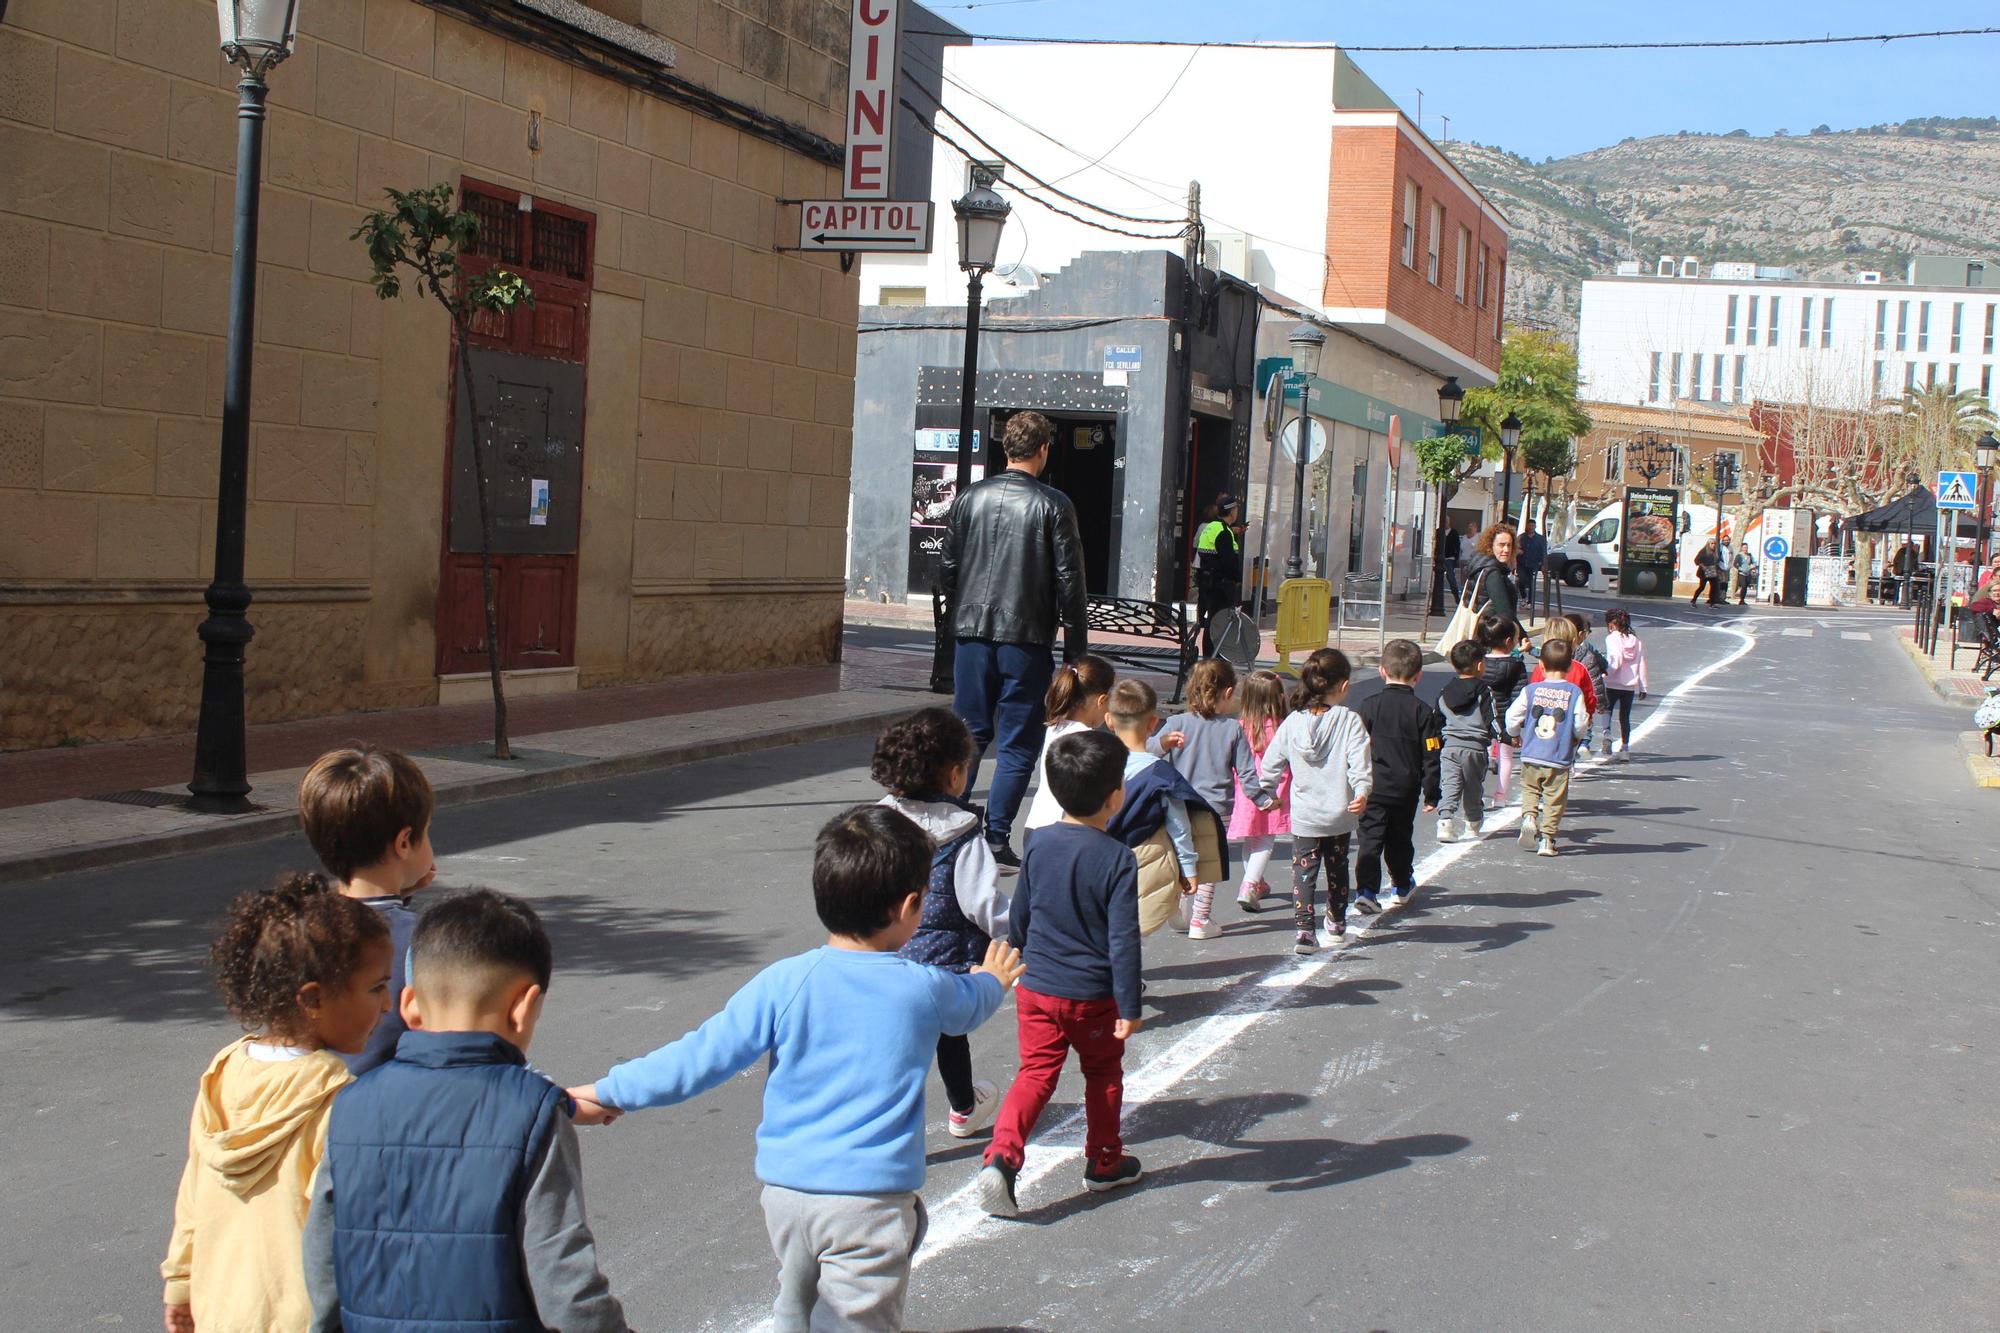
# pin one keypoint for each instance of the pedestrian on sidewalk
(1743, 566)
(1534, 550)
(452, 1192)
(1466, 725)
(1451, 547)
(1592, 660)
(306, 972)
(367, 813)
(1012, 574)
(848, 1032)
(1624, 676)
(1404, 739)
(1258, 828)
(1218, 551)
(1076, 923)
(921, 761)
(1549, 717)
(1505, 675)
(1494, 592)
(1324, 748)
(1708, 573)
(1077, 700)
(1216, 758)
(1177, 839)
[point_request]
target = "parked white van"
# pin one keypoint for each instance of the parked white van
(1590, 559)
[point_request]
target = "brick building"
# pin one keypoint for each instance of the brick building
(627, 159)
(1697, 437)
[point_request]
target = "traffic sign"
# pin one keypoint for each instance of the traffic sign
(1777, 548)
(1288, 440)
(891, 226)
(1958, 490)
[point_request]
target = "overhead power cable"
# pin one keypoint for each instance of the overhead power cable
(1716, 44)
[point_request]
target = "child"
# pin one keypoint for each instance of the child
(452, 1191)
(1259, 829)
(1504, 673)
(922, 760)
(1214, 755)
(1325, 749)
(1176, 838)
(1561, 631)
(1403, 737)
(848, 1032)
(306, 972)
(1550, 717)
(1593, 665)
(1624, 676)
(367, 813)
(1076, 921)
(1466, 726)
(1076, 700)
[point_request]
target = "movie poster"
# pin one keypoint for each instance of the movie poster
(933, 487)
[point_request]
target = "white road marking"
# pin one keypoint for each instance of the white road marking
(958, 1217)
(1796, 633)
(1855, 636)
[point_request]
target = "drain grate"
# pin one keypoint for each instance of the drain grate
(154, 800)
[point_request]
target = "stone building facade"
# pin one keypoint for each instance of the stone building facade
(716, 371)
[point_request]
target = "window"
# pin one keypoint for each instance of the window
(1957, 325)
(1500, 295)
(1805, 321)
(1923, 326)
(1458, 273)
(1826, 322)
(1680, 465)
(1909, 376)
(1729, 329)
(1902, 326)
(1409, 224)
(1989, 330)
(1652, 394)
(1986, 383)
(1878, 379)
(1614, 471)
(1882, 325)
(903, 296)
(1931, 379)
(1694, 377)
(1434, 245)
(1715, 384)
(1772, 341)
(1606, 528)
(1750, 332)
(1737, 392)
(1674, 388)
(1479, 287)
(1951, 376)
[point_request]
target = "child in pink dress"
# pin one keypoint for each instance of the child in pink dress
(1261, 708)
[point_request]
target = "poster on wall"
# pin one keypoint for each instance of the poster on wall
(1651, 528)
(933, 487)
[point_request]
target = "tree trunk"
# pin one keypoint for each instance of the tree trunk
(501, 750)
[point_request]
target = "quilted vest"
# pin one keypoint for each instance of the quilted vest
(946, 937)
(431, 1155)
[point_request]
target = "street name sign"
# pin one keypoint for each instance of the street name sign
(1958, 490)
(890, 226)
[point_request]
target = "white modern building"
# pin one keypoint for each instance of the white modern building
(1736, 333)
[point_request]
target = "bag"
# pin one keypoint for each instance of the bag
(1462, 624)
(1987, 716)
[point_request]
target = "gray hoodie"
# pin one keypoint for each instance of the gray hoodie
(1331, 765)
(1465, 710)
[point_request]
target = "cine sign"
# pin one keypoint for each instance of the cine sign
(874, 58)
(853, 224)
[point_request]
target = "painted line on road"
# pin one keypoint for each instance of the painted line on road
(1855, 636)
(958, 1218)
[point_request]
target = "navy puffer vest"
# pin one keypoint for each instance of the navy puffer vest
(946, 937)
(431, 1156)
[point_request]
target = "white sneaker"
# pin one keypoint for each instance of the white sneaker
(985, 1106)
(1546, 847)
(1625, 755)
(1204, 929)
(1528, 830)
(1473, 827)
(1447, 830)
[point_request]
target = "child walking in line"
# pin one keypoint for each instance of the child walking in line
(1076, 923)
(1078, 694)
(306, 972)
(1324, 747)
(1550, 717)
(1466, 725)
(1178, 841)
(1563, 632)
(1403, 738)
(1259, 828)
(1624, 676)
(847, 1032)
(922, 760)
(1594, 668)
(1505, 674)
(1215, 756)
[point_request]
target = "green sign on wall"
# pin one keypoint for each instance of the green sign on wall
(1337, 402)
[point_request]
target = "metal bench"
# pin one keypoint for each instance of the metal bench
(1981, 633)
(1166, 623)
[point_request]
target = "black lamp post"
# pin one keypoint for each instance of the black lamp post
(1649, 456)
(1308, 341)
(1450, 398)
(256, 35)
(1987, 452)
(1510, 440)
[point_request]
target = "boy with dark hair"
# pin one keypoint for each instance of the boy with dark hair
(1466, 727)
(367, 813)
(1076, 920)
(1178, 839)
(1403, 733)
(849, 1030)
(451, 1192)
(1550, 717)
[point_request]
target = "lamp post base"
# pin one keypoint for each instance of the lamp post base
(221, 783)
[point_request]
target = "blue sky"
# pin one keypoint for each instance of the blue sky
(1555, 104)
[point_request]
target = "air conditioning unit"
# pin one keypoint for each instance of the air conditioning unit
(1628, 268)
(1690, 267)
(1869, 278)
(1733, 271)
(1667, 267)
(1228, 253)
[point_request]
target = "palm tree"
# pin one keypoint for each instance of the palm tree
(1935, 429)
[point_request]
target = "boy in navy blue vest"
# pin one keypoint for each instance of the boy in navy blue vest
(451, 1194)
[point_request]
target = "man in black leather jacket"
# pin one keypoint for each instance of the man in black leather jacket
(1013, 575)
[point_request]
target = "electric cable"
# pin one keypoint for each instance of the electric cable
(1704, 44)
(1137, 124)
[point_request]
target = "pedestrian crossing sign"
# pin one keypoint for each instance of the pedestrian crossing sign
(1958, 490)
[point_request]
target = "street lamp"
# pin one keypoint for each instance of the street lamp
(1987, 452)
(1450, 398)
(1510, 440)
(1308, 341)
(256, 35)
(1649, 456)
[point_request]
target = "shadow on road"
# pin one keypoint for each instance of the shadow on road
(1477, 939)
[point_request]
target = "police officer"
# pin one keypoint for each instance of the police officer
(1218, 552)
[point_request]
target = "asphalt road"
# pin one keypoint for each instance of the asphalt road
(1723, 1065)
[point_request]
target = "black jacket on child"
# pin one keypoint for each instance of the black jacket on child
(1403, 732)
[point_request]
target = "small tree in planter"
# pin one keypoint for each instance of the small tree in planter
(425, 232)
(1441, 462)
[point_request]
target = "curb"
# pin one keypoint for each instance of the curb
(1985, 771)
(257, 828)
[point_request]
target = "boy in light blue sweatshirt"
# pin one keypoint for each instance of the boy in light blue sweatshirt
(849, 1031)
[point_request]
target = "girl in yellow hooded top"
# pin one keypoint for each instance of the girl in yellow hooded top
(306, 972)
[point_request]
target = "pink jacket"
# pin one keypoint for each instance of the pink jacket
(1625, 662)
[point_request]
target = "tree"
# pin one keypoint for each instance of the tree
(1934, 430)
(1551, 458)
(1538, 384)
(1440, 461)
(424, 232)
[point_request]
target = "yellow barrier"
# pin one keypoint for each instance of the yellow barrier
(1305, 617)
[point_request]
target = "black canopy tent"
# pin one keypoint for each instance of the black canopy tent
(1915, 511)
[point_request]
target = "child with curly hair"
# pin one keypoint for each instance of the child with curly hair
(306, 972)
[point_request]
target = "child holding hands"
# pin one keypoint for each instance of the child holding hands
(1259, 828)
(1325, 748)
(1215, 756)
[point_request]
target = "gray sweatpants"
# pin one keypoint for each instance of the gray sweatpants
(1462, 784)
(843, 1259)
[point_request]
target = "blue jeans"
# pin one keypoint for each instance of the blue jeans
(999, 689)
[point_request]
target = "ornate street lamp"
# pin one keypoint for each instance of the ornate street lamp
(1308, 342)
(1510, 440)
(1450, 398)
(256, 35)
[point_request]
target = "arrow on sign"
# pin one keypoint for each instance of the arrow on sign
(821, 238)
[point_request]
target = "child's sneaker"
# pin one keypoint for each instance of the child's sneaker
(1625, 755)
(1307, 942)
(1336, 926)
(1447, 830)
(1201, 928)
(996, 1189)
(1125, 1171)
(1473, 827)
(985, 1106)
(1528, 830)
(1366, 904)
(1403, 895)
(1251, 896)
(1546, 847)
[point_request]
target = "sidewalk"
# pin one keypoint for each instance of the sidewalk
(1961, 688)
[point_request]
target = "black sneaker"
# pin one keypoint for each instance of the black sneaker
(1003, 856)
(996, 1188)
(1126, 1172)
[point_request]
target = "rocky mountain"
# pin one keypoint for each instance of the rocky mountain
(1829, 202)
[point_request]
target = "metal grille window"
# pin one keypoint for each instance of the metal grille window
(499, 227)
(561, 245)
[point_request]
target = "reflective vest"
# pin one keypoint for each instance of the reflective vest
(1209, 534)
